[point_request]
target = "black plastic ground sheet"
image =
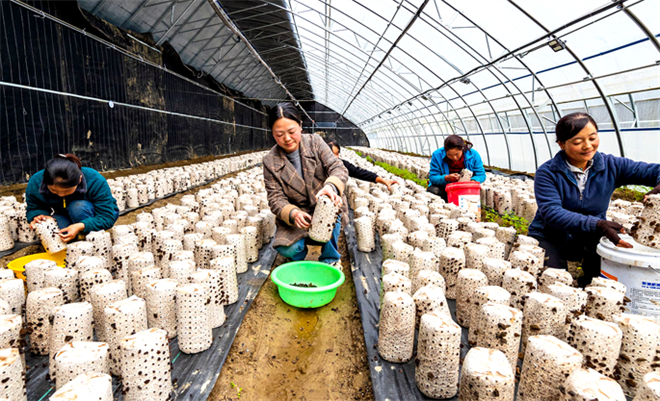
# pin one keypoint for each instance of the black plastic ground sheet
(194, 375)
(391, 381)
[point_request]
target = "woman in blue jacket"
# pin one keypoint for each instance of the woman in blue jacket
(77, 197)
(573, 191)
(448, 162)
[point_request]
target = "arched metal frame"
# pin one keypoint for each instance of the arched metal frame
(393, 103)
(371, 124)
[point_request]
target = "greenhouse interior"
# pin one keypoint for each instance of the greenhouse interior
(330, 200)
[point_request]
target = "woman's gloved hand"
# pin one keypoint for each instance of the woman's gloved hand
(654, 191)
(611, 230)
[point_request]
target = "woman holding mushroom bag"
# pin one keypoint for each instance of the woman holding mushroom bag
(79, 198)
(573, 191)
(297, 172)
(451, 161)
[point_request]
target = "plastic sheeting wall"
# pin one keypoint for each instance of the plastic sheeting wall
(63, 91)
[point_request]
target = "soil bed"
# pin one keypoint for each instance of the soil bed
(283, 353)
(304, 285)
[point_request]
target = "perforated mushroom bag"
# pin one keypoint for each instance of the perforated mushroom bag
(71, 322)
(588, 385)
(102, 295)
(213, 281)
(486, 374)
(161, 305)
(544, 315)
(467, 282)
(498, 327)
(640, 351)
(145, 366)
(34, 273)
(649, 389)
(194, 327)
(598, 341)
(438, 355)
(547, 362)
(39, 307)
(323, 220)
(47, 231)
(452, 260)
(396, 330)
(79, 357)
(12, 375)
(122, 319)
(645, 230)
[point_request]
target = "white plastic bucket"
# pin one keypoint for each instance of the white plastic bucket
(639, 269)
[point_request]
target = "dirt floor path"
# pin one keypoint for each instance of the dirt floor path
(285, 353)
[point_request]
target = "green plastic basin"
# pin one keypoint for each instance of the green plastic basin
(325, 277)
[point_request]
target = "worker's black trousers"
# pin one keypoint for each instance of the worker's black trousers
(557, 255)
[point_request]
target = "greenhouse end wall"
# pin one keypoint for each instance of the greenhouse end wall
(115, 105)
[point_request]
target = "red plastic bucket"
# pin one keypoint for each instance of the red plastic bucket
(466, 195)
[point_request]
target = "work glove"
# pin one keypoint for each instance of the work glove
(611, 230)
(654, 191)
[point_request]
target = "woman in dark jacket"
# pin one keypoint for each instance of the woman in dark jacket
(573, 191)
(78, 198)
(360, 173)
(448, 162)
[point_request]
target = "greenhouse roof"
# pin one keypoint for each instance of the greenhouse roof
(409, 72)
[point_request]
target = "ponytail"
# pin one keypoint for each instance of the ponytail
(63, 170)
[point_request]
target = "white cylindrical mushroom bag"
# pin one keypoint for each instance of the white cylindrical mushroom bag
(323, 220)
(194, 327)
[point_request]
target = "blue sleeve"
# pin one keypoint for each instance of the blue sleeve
(478, 171)
(630, 172)
(35, 207)
(435, 175)
(105, 206)
(550, 207)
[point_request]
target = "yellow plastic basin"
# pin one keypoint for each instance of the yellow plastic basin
(18, 265)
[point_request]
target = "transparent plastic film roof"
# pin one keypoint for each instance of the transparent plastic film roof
(499, 73)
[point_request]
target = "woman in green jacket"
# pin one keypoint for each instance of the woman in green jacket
(77, 197)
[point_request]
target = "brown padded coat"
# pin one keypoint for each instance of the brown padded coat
(287, 190)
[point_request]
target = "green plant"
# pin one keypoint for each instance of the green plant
(508, 220)
(631, 193)
(403, 173)
(238, 392)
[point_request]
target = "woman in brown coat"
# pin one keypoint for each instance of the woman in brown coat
(298, 170)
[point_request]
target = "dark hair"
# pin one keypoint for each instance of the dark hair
(332, 144)
(456, 142)
(63, 171)
(284, 110)
(571, 124)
